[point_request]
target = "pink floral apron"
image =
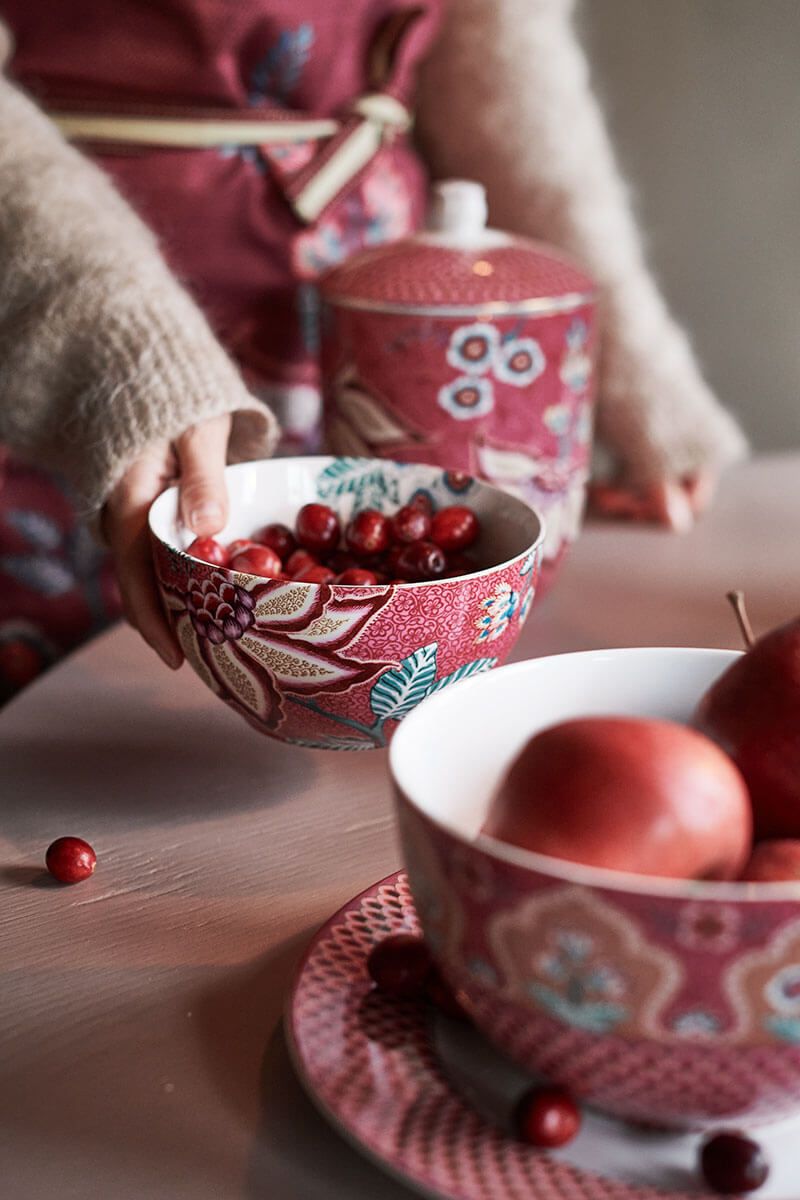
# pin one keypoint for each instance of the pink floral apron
(248, 223)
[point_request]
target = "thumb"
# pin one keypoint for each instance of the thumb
(201, 454)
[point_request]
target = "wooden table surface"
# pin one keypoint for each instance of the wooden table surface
(141, 1053)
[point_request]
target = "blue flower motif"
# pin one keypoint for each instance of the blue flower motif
(519, 361)
(498, 610)
(278, 73)
(595, 1016)
(467, 397)
(472, 347)
(525, 607)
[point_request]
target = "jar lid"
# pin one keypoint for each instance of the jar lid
(459, 267)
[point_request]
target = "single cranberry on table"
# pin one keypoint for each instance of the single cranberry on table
(454, 528)
(411, 523)
(279, 538)
(258, 560)
(547, 1117)
(368, 533)
(421, 561)
(209, 550)
(70, 859)
(317, 527)
(732, 1164)
(357, 577)
(400, 965)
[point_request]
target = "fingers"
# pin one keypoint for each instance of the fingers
(663, 503)
(125, 525)
(670, 506)
(201, 453)
(701, 489)
(614, 501)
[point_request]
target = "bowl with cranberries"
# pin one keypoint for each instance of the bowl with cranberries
(581, 856)
(344, 591)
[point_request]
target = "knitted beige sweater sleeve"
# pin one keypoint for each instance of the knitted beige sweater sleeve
(506, 99)
(101, 351)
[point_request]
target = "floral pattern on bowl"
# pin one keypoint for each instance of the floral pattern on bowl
(332, 666)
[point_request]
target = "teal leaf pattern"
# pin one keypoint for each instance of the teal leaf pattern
(399, 690)
(367, 482)
(476, 667)
(785, 1028)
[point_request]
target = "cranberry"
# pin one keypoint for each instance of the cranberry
(20, 662)
(410, 524)
(279, 538)
(341, 560)
(369, 533)
(547, 1117)
(454, 528)
(239, 546)
(317, 527)
(400, 964)
(357, 576)
(70, 859)
(731, 1162)
(443, 996)
(299, 561)
(462, 564)
(420, 561)
(391, 560)
(258, 560)
(314, 573)
(209, 550)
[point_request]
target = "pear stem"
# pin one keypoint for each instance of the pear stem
(737, 603)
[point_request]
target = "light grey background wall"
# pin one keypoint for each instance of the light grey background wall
(703, 98)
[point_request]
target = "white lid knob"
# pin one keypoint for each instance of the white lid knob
(458, 208)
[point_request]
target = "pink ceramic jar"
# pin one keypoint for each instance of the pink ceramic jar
(470, 349)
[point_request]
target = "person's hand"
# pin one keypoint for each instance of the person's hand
(197, 461)
(675, 504)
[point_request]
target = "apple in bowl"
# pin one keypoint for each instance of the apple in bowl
(671, 1000)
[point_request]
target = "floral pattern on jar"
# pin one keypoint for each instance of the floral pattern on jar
(467, 398)
(473, 347)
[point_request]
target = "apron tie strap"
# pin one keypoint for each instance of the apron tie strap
(374, 119)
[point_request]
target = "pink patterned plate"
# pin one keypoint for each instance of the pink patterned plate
(391, 1082)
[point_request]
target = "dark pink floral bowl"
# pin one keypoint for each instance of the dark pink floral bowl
(665, 1001)
(335, 667)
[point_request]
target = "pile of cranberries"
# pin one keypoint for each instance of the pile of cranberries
(547, 1117)
(412, 546)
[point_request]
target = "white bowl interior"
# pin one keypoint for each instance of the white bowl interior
(451, 753)
(274, 489)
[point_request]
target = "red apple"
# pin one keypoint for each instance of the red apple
(627, 793)
(753, 712)
(774, 860)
